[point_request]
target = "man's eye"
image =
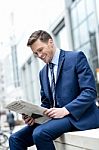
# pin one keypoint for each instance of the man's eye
(40, 50)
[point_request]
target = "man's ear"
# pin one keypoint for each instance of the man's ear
(51, 41)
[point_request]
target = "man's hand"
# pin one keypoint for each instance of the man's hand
(28, 120)
(56, 112)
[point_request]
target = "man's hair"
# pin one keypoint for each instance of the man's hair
(41, 35)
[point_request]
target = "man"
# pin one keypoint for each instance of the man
(70, 100)
(11, 121)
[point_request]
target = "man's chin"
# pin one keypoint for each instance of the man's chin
(46, 61)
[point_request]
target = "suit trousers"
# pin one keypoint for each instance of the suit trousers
(40, 135)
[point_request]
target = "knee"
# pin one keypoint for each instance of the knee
(39, 134)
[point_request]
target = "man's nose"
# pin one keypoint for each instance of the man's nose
(40, 55)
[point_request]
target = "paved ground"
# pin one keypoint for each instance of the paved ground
(6, 131)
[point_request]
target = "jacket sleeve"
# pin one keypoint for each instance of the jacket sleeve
(86, 80)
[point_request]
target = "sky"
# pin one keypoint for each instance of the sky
(15, 16)
(23, 16)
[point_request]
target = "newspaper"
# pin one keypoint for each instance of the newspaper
(24, 107)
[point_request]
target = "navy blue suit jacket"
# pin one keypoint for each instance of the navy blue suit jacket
(75, 89)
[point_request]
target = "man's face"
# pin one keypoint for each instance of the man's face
(44, 51)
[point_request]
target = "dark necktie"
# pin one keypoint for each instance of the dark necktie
(52, 85)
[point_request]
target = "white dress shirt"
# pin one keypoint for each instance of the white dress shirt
(55, 62)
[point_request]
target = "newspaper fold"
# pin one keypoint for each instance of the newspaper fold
(24, 107)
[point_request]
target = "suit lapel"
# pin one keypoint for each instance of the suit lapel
(46, 79)
(61, 60)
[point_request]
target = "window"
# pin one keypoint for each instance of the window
(74, 17)
(76, 38)
(92, 23)
(97, 7)
(93, 44)
(84, 36)
(62, 39)
(89, 6)
(86, 49)
(60, 35)
(81, 11)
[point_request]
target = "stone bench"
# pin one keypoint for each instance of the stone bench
(79, 140)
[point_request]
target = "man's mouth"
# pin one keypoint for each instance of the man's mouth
(44, 57)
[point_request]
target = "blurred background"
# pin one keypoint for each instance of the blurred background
(74, 25)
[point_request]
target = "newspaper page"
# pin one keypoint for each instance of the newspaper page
(24, 107)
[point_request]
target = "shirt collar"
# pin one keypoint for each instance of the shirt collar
(56, 56)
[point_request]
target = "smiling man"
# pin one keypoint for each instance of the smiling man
(67, 90)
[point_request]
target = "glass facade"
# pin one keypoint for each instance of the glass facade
(83, 29)
(30, 78)
(61, 39)
(15, 66)
(60, 35)
(2, 86)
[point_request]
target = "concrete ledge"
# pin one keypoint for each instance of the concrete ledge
(79, 140)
